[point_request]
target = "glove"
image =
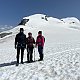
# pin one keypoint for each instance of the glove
(36, 46)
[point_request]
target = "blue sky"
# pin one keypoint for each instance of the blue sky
(12, 11)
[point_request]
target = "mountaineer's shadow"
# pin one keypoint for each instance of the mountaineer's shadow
(8, 64)
(14, 63)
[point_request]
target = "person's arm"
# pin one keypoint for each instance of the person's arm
(37, 42)
(44, 39)
(34, 43)
(15, 42)
(33, 40)
(26, 40)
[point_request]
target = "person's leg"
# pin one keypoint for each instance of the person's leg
(41, 56)
(18, 52)
(31, 54)
(28, 54)
(22, 53)
(40, 50)
(41, 53)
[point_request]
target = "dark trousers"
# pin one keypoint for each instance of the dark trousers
(29, 53)
(18, 53)
(40, 50)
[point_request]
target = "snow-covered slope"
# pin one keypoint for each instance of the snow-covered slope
(70, 20)
(61, 53)
(40, 20)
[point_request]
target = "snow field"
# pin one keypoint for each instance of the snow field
(61, 54)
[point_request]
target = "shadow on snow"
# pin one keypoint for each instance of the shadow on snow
(8, 64)
(13, 63)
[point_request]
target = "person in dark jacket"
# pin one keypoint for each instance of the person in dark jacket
(30, 45)
(40, 43)
(20, 44)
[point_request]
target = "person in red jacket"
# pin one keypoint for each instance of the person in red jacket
(40, 43)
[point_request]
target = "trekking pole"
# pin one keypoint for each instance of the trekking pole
(34, 54)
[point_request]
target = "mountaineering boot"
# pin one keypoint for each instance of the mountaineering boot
(17, 64)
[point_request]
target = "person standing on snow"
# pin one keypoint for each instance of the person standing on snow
(30, 46)
(20, 44)
(40, 43)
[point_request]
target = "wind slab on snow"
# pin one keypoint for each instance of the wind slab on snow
(61, 51)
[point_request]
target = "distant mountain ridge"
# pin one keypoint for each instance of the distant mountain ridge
(5, 28)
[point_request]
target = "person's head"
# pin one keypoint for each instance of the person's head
(39, 33)
(29, 34)
(21, 30)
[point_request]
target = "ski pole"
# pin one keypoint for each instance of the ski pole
(34, 54)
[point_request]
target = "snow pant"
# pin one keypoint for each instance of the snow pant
(40, 50)
(29, 53)
(18, 53)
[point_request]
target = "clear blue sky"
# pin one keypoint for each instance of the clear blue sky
(12, 11)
